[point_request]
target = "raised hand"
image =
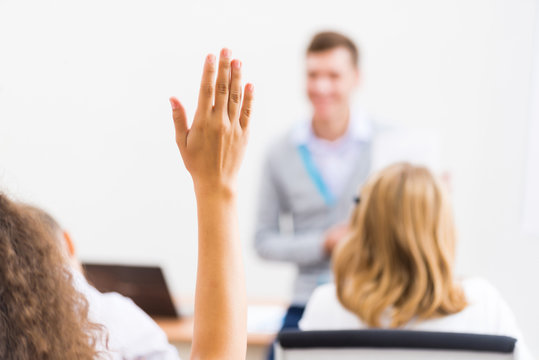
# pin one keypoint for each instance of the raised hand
(212, 149)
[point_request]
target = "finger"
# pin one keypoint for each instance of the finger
(245, 116)
(205, 96)
(234, 99)
(223, 81)
(180, 121)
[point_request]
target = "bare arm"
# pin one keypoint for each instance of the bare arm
(212, 151)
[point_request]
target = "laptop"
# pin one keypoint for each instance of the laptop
(145, 285)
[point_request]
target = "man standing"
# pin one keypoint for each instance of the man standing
(314, 172)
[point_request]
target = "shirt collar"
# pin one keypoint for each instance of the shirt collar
(359, 129)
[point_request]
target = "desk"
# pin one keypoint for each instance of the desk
(180, 331)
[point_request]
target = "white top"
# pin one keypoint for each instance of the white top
(335, 160)
(133, 335)
(486, 313)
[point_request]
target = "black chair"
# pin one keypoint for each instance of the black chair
(390, 344)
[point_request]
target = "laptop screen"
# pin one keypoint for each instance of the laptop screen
(145, 285)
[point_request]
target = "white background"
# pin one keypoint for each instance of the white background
(531, 199)
(85, 127)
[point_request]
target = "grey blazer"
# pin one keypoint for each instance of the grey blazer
(287, 189)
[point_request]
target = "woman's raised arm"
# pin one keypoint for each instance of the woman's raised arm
(212, 151)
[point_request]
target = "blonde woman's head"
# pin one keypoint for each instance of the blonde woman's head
(398, 259)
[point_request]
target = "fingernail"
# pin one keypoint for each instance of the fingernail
(250, 88)
(226, 53)
(173, 105)
(236, 64)
(210, 59)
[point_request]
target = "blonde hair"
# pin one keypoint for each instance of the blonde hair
(398, 258)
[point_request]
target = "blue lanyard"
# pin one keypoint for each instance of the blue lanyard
(315, 175)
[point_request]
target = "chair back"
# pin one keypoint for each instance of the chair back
(391, 345)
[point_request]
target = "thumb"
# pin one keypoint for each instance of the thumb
(180, 120)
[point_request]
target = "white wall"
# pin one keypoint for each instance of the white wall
(530, 217)
(85, 127)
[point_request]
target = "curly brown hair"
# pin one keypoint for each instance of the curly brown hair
(42, 316)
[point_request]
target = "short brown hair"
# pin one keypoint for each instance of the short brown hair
(328, 40)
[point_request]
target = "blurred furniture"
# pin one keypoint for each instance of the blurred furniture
(181, 331)
(264, 320)
(390, 344)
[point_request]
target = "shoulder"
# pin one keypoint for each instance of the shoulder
(486, 303)
(324, 311)
(320, 304)
(483, 297)
(116, 300)
(479, 290)
(324, 295)
(281, 149)
(119, 313)
(132, 332)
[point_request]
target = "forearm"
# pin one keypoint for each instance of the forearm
(301, 249)
(212, 150)
(220, 300)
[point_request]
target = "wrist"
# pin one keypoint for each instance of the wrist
(215, 190)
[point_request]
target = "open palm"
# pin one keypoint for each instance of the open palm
(212, 149)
